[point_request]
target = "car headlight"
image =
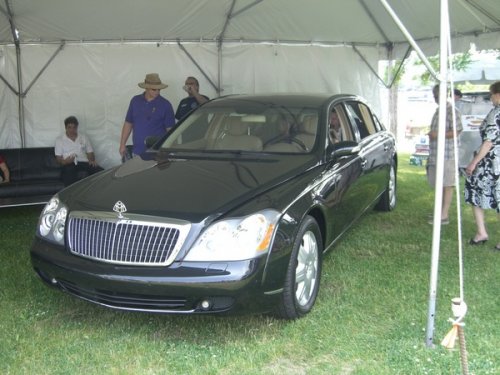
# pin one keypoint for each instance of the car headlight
(235, 239)
(53, 220)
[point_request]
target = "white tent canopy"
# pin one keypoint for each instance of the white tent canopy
(85, 58)
(362, 22)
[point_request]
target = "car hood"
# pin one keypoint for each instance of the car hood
(189, 188)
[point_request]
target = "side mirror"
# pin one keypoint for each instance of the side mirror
(151, 140)
(345, 148)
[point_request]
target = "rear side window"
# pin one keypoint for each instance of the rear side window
(362, 119)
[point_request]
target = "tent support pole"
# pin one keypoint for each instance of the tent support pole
(246, 7)
(198, 66)
(388, 86)
(220, 41)
(372, 18)
(483, 11)
(9, 85)
(61, 46)
(442, 78)
(219, 70)
(438, 200)
(368, 65)
(409, 38)
(20, 98)
(395, 76)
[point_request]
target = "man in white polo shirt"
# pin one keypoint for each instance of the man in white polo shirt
(74, 153)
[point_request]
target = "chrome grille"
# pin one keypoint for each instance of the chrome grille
(134, 240)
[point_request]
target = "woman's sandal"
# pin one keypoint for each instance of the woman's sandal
(473, 242)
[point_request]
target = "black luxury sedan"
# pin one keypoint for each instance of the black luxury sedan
(231, 211)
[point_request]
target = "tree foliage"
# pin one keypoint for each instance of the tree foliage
(459, 63)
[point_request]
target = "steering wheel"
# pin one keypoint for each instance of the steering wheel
(289, 139)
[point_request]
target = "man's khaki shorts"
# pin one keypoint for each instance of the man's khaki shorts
(449, 174)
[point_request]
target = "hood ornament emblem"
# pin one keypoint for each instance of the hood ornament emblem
(120, 208)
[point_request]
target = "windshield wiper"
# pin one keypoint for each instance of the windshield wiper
(214, 151)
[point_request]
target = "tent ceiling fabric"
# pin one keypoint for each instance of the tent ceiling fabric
(362, 22)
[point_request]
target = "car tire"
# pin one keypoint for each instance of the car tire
(303, 273)
(387, 201)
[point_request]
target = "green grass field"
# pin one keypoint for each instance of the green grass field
(370, 317)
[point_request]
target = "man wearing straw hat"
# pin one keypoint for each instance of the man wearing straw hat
(149, 114)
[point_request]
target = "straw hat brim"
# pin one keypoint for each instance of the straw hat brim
(160, 86)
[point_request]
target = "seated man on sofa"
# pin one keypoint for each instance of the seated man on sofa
(75, 153)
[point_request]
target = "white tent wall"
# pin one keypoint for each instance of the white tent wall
(260, 68)
(283, 68)
(95, 82)
(9, 119)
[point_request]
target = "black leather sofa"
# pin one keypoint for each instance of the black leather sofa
(34, 176)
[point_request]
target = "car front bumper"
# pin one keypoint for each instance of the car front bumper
(182, 288)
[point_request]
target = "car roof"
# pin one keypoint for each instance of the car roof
(289, 99)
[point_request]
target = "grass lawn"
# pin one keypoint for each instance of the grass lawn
(370, 317)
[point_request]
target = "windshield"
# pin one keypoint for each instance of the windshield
(246, 126)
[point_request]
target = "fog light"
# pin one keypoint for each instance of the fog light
(205, 304)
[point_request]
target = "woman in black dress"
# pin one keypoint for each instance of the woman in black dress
(482, 187)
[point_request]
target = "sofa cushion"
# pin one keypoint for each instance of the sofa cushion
(30, 188)
(35, 175)
(32, 163)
